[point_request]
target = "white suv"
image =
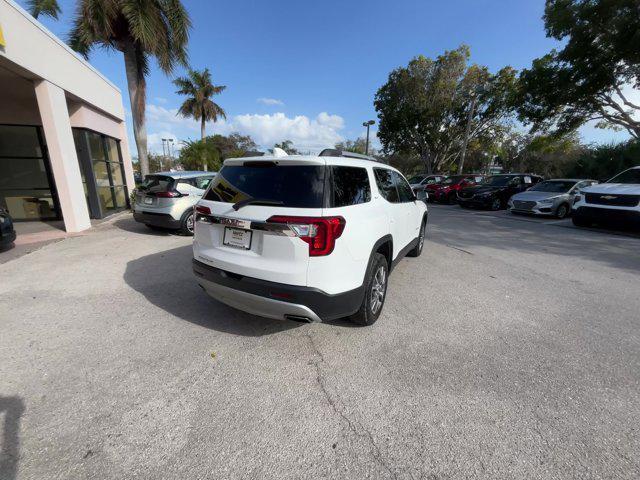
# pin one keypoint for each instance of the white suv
(306, 238)
(614, 201)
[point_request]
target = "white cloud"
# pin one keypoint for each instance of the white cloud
(161, 100)
(270, 101)
(165, 118)
(305, 133)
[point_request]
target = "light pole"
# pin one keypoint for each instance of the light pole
(367, 124)
(170, 144)
(164, 151)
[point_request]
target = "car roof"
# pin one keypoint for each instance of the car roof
(313, 160)
(184, 174)
(570, 180)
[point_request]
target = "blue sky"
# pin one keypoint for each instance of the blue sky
(308, 71)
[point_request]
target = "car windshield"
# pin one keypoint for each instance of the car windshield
(555, 186)
(498, 180)
(629, 176)
(298, 186)
(157, 183)
(453, 180)
(416, 179)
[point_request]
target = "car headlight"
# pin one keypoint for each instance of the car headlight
(547, 201)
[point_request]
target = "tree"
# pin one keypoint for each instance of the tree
(49, 8)
(591, 77)
(287, 146)
(233, 146)
(199, 89)
(356, 146)
(140, 30)
(195, 155)
(424, 107)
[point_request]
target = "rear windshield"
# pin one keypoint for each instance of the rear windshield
(298, 186)
(156, 183)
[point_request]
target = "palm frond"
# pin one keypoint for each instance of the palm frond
(49, 8)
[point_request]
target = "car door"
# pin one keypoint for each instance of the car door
(410, 209)
(388, 190)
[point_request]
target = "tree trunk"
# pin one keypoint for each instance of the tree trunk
(425, 157)
(137, 95)
(202, 137)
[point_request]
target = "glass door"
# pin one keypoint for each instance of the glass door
(26, 186)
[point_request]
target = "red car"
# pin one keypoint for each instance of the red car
(446, 191)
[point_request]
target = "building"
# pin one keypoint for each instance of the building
(63, 141)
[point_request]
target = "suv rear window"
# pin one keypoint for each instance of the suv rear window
(156, 183)
(350, 186)
(298, 186)
(386, 184)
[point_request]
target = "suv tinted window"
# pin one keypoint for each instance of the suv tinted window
(203, 182)
(386, 184)
(299, 186)
(350, 186)
(404, 189)
(157, 183)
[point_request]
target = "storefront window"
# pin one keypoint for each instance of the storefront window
(104, 154)
(25, 186)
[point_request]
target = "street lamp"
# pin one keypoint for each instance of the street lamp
(367, 124)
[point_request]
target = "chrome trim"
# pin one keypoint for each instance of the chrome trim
(255, 304)
(268, 228)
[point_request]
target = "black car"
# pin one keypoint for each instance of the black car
(7, 233)
(495, 191)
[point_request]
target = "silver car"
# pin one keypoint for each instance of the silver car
(166, 199)
(551, 197)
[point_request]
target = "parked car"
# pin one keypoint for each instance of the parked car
(306, 238)
(495, 191)
(420, 182)
(551, 197)
(446, 191)
(615, 201)
(7, 233)
(166, 199)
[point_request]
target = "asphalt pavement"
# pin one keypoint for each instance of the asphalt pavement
(509, 349)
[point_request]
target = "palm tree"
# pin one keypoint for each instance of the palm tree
(140, 30)
(49, 8)
(199, 106)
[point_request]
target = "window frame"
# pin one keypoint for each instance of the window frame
(331, 196)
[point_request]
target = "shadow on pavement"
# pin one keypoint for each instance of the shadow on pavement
(167, 281)
(12, 409)
(505, 233)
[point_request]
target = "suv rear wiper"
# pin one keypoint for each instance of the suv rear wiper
(255, 201)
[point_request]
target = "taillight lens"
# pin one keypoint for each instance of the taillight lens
(169, 194)
(319, 232)
(201, 214)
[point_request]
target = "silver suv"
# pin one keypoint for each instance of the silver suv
(166, 199)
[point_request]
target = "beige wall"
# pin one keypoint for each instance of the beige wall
(33, 48)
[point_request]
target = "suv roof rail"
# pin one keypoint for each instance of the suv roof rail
(332, 152)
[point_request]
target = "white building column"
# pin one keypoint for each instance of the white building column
(62, 155)
(126, 158)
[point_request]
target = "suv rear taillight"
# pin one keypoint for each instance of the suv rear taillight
(169, 194)
(319, 232)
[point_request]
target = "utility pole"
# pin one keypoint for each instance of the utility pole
(170, 144)
(164, 152)
(367, 124)
(467, 131)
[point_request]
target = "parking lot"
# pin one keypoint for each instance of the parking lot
(509, 349)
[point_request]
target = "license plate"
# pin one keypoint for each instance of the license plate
(238, 238)
(148, 200)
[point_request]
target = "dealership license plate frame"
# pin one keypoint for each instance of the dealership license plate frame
(236, 243)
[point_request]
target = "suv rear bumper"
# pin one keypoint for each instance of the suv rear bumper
(275, 300)
(156, 219)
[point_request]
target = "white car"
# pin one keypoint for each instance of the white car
(615, 201)
(305, 238)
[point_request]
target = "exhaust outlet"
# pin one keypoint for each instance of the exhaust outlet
(298, 318)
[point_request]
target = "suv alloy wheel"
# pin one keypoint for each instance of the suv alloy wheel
(375, 292)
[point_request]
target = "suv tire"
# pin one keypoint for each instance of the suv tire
(186, 223)
(375, 292)
(417, 250)
(579, 221)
